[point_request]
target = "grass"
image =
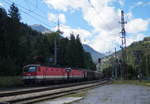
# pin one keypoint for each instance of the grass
(10, 81)
(135, 82)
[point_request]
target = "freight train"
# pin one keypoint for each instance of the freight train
(45, 74)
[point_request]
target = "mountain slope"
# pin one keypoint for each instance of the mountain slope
(40, 28)
(138, 58)
(95, 55)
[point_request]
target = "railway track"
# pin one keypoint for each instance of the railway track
(28, 96)
(39, 88)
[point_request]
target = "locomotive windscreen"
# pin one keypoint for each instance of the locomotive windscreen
(30, 69)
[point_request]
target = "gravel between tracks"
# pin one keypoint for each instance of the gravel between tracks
(117, 94)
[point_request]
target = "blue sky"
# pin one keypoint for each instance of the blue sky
(97, 21)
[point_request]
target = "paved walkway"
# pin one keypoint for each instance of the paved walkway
(65, 100)
(117, 94)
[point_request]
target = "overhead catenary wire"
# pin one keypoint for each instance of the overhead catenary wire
(36, 6)
(25, 11)
(27, 4)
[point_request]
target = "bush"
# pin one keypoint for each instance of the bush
(9, 81)
(8, 67)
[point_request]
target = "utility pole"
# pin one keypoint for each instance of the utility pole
(123, 47)
(55, 52)
(58, 27)
(147, 72)
(55, 42)
(116, 63)
(138, 55)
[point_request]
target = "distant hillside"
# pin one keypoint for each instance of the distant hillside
(95, 55)
(142, 47)
(138, 58)
(40, 28)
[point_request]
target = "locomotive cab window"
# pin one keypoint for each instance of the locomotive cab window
(30, 69)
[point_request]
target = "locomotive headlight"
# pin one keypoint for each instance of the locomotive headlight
(68, 69)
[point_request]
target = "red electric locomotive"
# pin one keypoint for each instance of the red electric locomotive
(39, 74)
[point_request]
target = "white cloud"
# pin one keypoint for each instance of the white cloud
(137, 25)
(137, 37)
(104, 18)
(1, 5)
(67, 30)
(129, 16)
(54, 17)
(62, 18)
(66, 4)
(105, 42)
(96, 12)
(121, 2)
(142, 3)
(139, 3)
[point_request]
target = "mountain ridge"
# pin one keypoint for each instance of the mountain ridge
(40, 28)
(95, 55)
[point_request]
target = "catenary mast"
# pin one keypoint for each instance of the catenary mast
(123, 47)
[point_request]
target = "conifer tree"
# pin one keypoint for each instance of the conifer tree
(14, 12)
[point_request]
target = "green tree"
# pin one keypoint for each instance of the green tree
(14, 13)
(79, 53)
(62, 52)
(19, 45)
(3, 21)
(88, 63)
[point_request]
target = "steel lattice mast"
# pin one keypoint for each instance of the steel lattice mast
(123, 47)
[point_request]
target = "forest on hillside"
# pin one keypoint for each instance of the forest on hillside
(20, 45)
(138, 60)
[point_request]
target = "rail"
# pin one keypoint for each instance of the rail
(28, 96)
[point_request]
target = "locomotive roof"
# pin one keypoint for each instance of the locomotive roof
(32, 65)
(60, 67)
